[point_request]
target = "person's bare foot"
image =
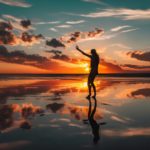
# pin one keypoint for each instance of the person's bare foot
(94, 96)
(88, 97)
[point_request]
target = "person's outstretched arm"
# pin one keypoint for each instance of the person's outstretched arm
(77, 47)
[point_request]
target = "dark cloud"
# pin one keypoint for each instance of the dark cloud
(136, 66)
(76, 36)
(95, 32)
(61, 57)
(24, 111)
(29, 110)
(140, 55)
(26, 37)
(25, 23)
(111, 67)
(20, 57)
(54, 107)
(25, 125)
(6, 118)
(5, 26)
(57, 54)
(54, 43)
(8, 37)
(24, 89)
(35, 60)
(145, 92)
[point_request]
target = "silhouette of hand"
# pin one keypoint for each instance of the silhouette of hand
(77, 47)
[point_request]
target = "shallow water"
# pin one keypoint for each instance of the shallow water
(52, 112)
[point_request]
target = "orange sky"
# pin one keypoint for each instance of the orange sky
(65, 68)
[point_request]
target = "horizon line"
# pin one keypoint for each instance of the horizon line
(147, 74)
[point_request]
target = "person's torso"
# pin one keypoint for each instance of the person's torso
(94, 63)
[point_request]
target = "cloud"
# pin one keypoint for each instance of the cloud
(129, 30)
(58, 55)
(63, 26)
(11, 17)
(8, 37)
(135, 66)
(110, 67)
(129, 132)
(140, 55)
(111, 35)
(48, 22)
(54, 43)
(30, 38)
(104, 65)
(5, 26)
(20, 57)
(26, 110)
(55, 107)
(75, 22)
(119, 45)
(118, 28)
(19, 90)
(106, 37)
(53, 29)
(95, 1)
(124, 13)
(56, 62)
(61, 119)
(25, 23)
(56, 52)
(18, 23)
(145, 92)
(76, 125)
(77, 36)
(17, 3)
(120, 119)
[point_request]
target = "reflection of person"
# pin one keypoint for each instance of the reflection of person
(93, 71)
(94, 125)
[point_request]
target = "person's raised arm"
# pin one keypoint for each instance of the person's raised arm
(77, 47)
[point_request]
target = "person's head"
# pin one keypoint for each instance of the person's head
(93, 51)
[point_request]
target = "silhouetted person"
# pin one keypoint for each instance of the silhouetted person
(94, 125)
(93, 69)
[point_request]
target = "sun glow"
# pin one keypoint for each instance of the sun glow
(85, 66)
(80, 85)
(84, 85)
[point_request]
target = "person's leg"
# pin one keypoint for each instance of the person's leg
(94, 89)
(93, 85)
(89, 85)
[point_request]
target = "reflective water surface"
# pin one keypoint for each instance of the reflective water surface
(52, 113)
